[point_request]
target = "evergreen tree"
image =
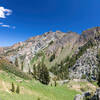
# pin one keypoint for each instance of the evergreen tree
(55, 81)
(34, 71)
(38, 98)
(13, 87)
(16, 62)
(52, 57)
(43, 74)
(18, 89)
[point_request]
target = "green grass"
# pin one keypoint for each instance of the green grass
(95, 83)
(37, 90)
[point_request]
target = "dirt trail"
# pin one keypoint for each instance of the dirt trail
(4, 87)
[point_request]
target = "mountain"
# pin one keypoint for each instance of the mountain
(86, 66)
(58, 43)
(53, 48)
(70, 60)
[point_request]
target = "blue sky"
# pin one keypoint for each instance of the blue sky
(27, 18)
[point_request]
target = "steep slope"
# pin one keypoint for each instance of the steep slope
(58, 43)
(86, 65)
(53, 48)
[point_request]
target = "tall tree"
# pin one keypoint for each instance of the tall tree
(42, 74)
(13, 87)
(18, 90)
(16, 62)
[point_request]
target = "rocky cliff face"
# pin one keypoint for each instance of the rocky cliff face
(58, 43)
(49, 43)
(86, 65)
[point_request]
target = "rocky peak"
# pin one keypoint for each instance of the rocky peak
(89, 34)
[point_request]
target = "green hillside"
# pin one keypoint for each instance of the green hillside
(32, 90)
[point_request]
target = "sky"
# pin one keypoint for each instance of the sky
(22, 19)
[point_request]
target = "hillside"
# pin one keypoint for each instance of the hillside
(58, 43)
(32, 90)
(63, 62)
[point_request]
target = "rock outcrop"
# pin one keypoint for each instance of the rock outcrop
(86, 65)
(88, 96)
(49, 43)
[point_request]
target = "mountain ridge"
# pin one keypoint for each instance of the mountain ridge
(58, 44)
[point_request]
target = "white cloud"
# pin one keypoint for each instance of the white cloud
(4, 12)
(8, 26)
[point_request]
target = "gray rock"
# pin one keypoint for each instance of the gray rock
(78, 97)
(85, 65)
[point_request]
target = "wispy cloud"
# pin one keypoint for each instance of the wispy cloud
(8, 26)
(5, 12)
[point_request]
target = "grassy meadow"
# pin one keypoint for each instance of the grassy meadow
(32, 90)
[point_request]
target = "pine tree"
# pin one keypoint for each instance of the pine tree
(34, 72)
(44, 74)
(18, 89)
(38, 98)
(13, 87)
(55, 81)
(16, 62)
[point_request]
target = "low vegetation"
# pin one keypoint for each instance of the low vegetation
(8, 67)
